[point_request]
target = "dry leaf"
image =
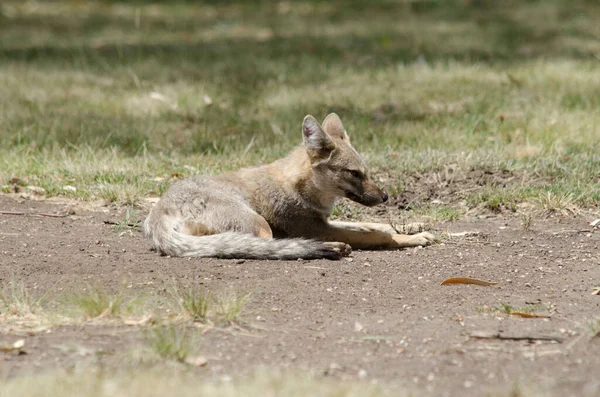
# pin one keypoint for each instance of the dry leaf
(15, 347)
(158, 96)
(358, 327)
(141, 321)
(197, 361)
(596, 291)
(467, 280)
(529, 315)
(18, 181)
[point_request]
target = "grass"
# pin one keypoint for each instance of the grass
(193, 301)
(560, 202)
(170, 341)
(506, 308)
(496, 199)
(119, 100)
(95, 302)
(128, 224)
(526, 221)
(204, 306)
(17, 301)
(593, 327)
(163, 381)
(229, 306)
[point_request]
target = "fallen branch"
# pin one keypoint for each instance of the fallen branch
(531, 338)
(34, 214)
(465, 234)
(50, 215)
(121, 224)
(12, 213)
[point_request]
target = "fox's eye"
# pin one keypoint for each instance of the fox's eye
(355, 173)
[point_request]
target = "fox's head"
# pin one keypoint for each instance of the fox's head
(337, 168)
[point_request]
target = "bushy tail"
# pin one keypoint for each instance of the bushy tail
(166, 237)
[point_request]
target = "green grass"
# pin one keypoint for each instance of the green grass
(193, 301)
(119, 100)
(170, 341)
(21, 308)
(229, 306)
(496, 199)
(204, 306)
(128, 223)
(95, 302)
(437, 212)
(593, 327)
(507, 308)
(526, 221)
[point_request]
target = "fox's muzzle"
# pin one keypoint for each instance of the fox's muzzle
(368, 198)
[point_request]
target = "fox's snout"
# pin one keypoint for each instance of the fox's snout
(369, 194)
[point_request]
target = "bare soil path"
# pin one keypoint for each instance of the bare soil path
(382, 316)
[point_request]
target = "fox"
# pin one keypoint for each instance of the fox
(280, 210)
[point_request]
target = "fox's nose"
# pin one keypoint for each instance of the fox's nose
(384, 196)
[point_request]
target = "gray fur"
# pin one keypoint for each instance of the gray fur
(222, 208)
(278, 210)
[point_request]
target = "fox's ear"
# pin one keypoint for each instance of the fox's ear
(334, 127)
(316, 141)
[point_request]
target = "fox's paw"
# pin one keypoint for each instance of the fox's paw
(423, 239)
(414, 240)
(339, 249)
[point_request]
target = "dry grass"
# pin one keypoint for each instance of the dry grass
(193, 301)
(19, 305)
(137, 96)
(119, 100)
(95, 302)
(593, 327)
(229, 306)
(164, 381)
(16, 300)
(202, 305)
(170, 341)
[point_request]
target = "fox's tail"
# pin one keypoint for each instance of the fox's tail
(167, 238)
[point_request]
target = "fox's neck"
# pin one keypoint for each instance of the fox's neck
(298, 176)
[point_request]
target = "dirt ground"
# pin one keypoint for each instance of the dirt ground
(382, 316)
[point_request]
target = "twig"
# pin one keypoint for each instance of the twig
(465, 234)
(121, 224)
(34, 214)
(517, 337)
(50, 215)
(11, 213)
(591, 230)
(574, 341)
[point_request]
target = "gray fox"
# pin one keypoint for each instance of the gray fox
(278, 210)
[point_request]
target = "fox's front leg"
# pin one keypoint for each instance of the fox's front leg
(370, 236)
